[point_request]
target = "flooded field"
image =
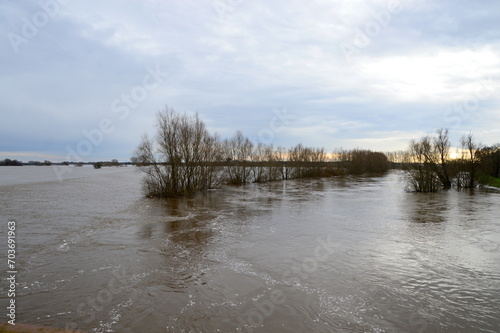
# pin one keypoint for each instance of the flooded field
(352, 254)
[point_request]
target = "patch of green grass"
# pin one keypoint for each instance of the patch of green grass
(491, 181)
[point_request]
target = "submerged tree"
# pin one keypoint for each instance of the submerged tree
(419, 169)
(441, 157)
(182, 159)
(427, 164)
(429, 167)
(469, 162)
(238, 151)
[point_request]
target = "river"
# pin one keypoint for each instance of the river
(345, 254)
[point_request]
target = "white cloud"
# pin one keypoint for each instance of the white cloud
(445, 75)
(262, 55)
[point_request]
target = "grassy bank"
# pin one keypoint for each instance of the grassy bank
(491, 181)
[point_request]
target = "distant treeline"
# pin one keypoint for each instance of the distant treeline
(429, 167)
(184, 158)
(114, 162)
(9, 162)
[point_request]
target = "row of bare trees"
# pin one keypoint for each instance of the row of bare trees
(184, 158)
(429, 166)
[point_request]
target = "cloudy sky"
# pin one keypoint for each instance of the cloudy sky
(84, 79)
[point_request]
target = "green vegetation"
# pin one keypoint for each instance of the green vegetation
(491, 181)
(185, 158)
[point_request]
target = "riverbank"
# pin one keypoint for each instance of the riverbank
(492, 181)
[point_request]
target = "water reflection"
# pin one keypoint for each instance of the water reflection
(173, 216)
(176, 214)
(426, 207)
(469, 203)
(178, 233)
(183, 232)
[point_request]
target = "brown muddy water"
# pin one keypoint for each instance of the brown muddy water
(354, 254)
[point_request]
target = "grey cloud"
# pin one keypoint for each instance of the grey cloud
(235, 70)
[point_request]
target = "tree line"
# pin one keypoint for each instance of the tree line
(183, 158)
(97, 165)
(9, 162)
(429, 167)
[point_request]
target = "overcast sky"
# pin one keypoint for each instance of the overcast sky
(84, 79)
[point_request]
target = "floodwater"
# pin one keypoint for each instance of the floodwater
(352, 254)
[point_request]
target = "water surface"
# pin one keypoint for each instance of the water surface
(353, 254)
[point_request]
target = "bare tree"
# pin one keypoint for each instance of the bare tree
(238, 151)
(296, 156)
(469, 162)
(441, 150)
(155, 179)
(183, 158)
(260, 160)
(282, 156)
(419, 169)
(274, 167)
(428, 164)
